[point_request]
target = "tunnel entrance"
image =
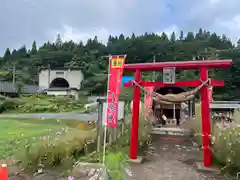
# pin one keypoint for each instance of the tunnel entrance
(168, 110)
(59, 83)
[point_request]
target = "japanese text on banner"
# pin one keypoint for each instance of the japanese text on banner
(114, 82)
(148, 101)
(210, 89)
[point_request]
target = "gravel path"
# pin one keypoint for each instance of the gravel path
(171, 161)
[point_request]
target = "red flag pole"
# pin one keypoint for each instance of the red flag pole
(105, 120)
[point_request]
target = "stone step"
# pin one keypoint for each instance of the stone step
(171, 132)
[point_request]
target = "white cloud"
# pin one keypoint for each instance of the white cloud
(70, 33)
(41, 20)
(214, 2)
(219, 16)
(169, 30)
(231, 27)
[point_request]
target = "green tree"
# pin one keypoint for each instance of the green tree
(181, 35)
(173, 37)
(34, 48)
(139, 49)
(7, 55)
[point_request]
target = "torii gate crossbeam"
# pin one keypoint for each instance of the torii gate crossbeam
(209, 64)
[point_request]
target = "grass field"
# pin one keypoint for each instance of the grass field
(15, 134)
(32, 140)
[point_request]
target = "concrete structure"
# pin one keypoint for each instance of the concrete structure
(215, 105)
(63, 92)
(224, 110)
(61, 81)
(7, 86)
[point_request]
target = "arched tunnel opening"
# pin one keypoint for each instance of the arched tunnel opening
(168, 110)
(59, 83)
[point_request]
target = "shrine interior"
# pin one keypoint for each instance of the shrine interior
(167, 110)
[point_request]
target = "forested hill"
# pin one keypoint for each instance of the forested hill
(139, 49)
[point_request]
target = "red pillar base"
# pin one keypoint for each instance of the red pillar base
(138, 160)
(201, 168)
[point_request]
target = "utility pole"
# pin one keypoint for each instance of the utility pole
(49, 71)
(14, 73)
(154, 61)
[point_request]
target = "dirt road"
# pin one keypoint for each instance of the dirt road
(171, 161)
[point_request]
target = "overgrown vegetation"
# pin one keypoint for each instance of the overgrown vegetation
(117, 157)
(44, 142)
(225, 142)
(53, 151)
(117, 153)
(47, 143)
(42, 104)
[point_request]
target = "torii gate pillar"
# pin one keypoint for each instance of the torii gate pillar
(206, 123)
(135, 117)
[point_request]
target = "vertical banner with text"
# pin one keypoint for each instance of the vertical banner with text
(210, 89)
(148, 101)
(116, 67)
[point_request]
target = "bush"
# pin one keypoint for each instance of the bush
(10, 104)
(52, 151)
(117, 156)
(227, 147)
(226, 143)
(40, 104)
(2, 98)
(115, 163)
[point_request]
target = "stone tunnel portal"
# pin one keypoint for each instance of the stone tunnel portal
(59, 83)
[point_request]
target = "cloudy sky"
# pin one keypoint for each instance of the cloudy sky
(22, 21)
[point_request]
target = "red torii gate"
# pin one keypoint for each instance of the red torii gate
(203, 65)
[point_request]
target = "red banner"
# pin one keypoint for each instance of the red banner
(116, 66)
(210, 89)
(148, 101)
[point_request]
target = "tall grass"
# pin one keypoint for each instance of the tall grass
(225, 142)
(48, 142)
(53, 150)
